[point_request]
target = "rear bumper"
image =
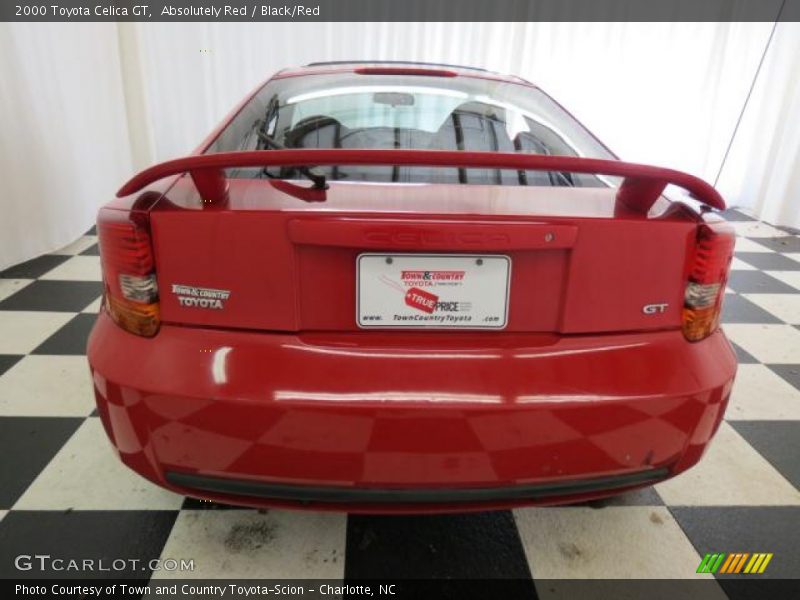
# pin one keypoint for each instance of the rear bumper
(345, 496)
(411, 421)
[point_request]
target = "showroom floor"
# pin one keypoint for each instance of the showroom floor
(64, 493)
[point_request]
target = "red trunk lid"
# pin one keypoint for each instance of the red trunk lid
(269, 261)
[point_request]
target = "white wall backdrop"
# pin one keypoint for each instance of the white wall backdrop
(83, 106)
(762, 171)
(63, 134)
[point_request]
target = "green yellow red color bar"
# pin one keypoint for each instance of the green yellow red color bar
(736, 562)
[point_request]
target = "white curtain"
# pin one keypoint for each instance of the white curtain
(84, 106)
(762, 171)
(63, 135)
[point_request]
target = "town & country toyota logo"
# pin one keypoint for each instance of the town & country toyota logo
(424, 278)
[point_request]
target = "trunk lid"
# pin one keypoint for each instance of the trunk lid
(266, 260)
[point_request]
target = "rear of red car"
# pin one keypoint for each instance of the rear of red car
(470, 303)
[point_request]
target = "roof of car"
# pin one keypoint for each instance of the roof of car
(352, 65)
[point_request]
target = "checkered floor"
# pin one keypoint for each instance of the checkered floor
(64, 493)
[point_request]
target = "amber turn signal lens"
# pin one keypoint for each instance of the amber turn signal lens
(699, 323)
(138, 318)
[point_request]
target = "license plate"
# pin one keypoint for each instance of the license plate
(432, 291)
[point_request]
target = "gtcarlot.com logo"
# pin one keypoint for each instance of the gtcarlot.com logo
(735, 563)
(46, 562)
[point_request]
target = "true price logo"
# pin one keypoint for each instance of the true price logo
(421, 300)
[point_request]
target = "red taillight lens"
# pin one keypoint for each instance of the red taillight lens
(126, 254)
(708, 274)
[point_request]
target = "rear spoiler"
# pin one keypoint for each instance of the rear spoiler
(641, 187)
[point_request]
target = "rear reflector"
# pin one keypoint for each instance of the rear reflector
(708, 274)
(126, 254)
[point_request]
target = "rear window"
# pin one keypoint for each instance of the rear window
(410, 112)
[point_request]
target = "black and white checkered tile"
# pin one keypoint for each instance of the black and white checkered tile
(63, 491)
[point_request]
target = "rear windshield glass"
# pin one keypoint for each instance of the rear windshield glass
(410, 112)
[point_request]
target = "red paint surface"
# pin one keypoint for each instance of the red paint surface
(407, 410)
(291, 266)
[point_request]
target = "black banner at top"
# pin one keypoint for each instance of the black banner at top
(397, 10)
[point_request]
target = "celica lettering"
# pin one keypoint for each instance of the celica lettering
(110, 11)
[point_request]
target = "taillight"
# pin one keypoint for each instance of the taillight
(126, 254)
(707, 276)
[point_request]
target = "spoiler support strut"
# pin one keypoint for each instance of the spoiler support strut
(642, 186)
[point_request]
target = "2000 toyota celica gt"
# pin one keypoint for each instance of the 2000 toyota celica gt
(409, 287)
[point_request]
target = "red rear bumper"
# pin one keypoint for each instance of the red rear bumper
(412, 421)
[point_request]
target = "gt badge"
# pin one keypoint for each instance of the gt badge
(200, 297)
(653, 309)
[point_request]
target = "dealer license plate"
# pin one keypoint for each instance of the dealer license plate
(432, 291)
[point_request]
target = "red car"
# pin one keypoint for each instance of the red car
(398, 287)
